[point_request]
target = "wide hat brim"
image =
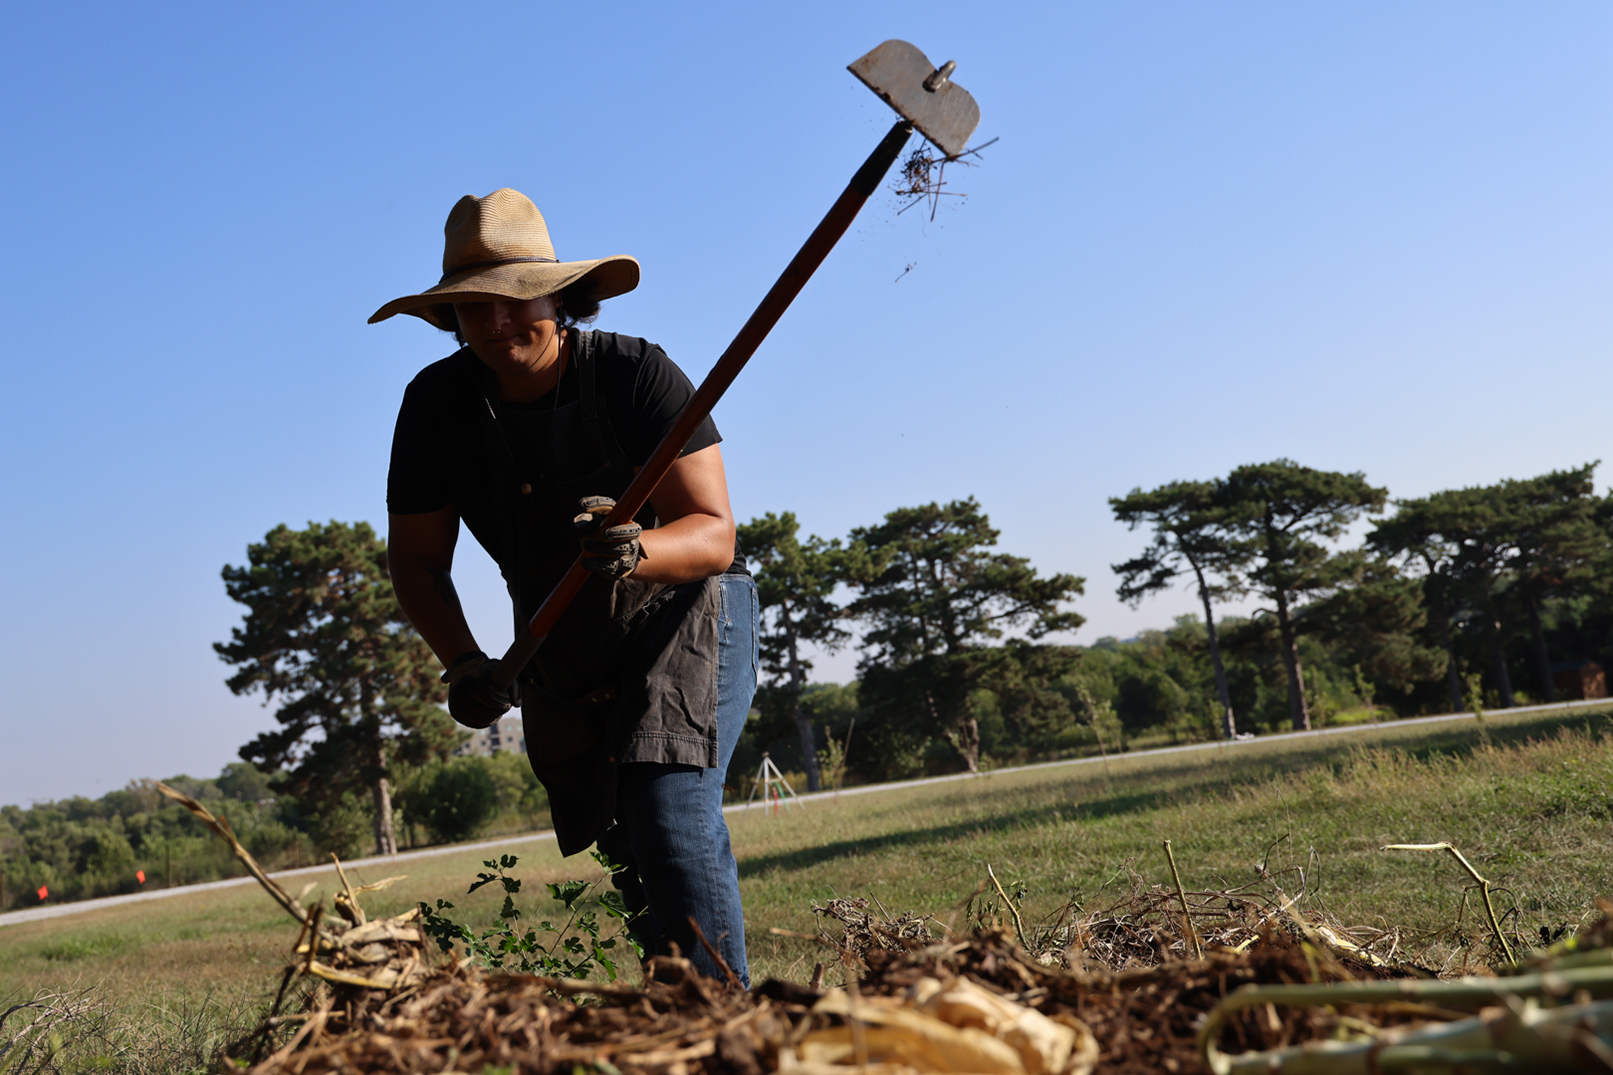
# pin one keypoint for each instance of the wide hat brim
(605, 277)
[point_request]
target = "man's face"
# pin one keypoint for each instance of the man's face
(513, 338)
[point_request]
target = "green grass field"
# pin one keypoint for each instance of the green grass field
(1528, 798)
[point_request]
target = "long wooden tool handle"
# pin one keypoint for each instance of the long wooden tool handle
(774, 303)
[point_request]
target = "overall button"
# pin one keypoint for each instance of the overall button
(526, 487)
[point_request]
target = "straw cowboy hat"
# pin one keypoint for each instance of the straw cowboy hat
(498, 247)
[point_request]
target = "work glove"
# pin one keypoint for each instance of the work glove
(474, 700)
(612, 552)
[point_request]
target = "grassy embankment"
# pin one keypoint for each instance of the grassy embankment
(1528, 798)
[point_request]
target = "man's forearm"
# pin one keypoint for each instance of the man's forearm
(684, 550)
(432, 604)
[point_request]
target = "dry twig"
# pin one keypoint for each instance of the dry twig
(923, 176)
(1187, 915)
(1483, 885)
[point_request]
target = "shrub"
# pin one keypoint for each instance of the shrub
(344, 829)
(457, 799)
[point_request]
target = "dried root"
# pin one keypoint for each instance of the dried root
(923, 176)
(862, 929)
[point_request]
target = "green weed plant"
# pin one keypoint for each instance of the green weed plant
(574, 949)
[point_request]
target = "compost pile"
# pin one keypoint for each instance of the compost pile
(678, 1023)
(1114, 996)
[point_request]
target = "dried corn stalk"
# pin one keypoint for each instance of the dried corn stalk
(388, 953)
(1559, 1018)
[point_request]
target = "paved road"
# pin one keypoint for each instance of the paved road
(33, 914)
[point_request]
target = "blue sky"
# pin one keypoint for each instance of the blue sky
(1367, 236)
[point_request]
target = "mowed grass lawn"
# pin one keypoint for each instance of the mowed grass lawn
(1528, 799)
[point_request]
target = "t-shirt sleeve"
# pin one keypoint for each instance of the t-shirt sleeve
(660, 392)
(418, 478)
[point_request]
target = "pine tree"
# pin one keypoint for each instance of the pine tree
(323, 633)
(1496, 553)
(933, 595)
(1285, 511)
(1189, 532)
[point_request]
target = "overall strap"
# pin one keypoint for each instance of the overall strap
(584, 353)
(582, 356)
(504, 473)
(495, 445)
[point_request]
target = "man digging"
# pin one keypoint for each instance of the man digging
(527, 434)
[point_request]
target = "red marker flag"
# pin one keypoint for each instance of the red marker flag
(44, 890)
(140, 875)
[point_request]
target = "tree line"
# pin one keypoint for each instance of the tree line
(1449, 600)
(78, 848)
(133, 838)
(1464, 597)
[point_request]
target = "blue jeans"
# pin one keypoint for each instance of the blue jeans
(670, 832)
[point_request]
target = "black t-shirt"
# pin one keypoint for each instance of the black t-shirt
(438, 457)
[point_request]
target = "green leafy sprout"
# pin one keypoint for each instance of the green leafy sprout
(572, 949)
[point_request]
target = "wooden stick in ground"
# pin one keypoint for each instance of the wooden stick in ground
(1019, 926)
(845, 753)
(355, 912)
(716, 956)
(222, 829)
(313, 937)
(1181, 894)
(302, 935)
(1102, 751)
(1484, 887)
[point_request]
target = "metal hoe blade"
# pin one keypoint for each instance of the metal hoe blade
(923, 94)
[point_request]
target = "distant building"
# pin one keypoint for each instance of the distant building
(1579, 679)
(507, 734)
